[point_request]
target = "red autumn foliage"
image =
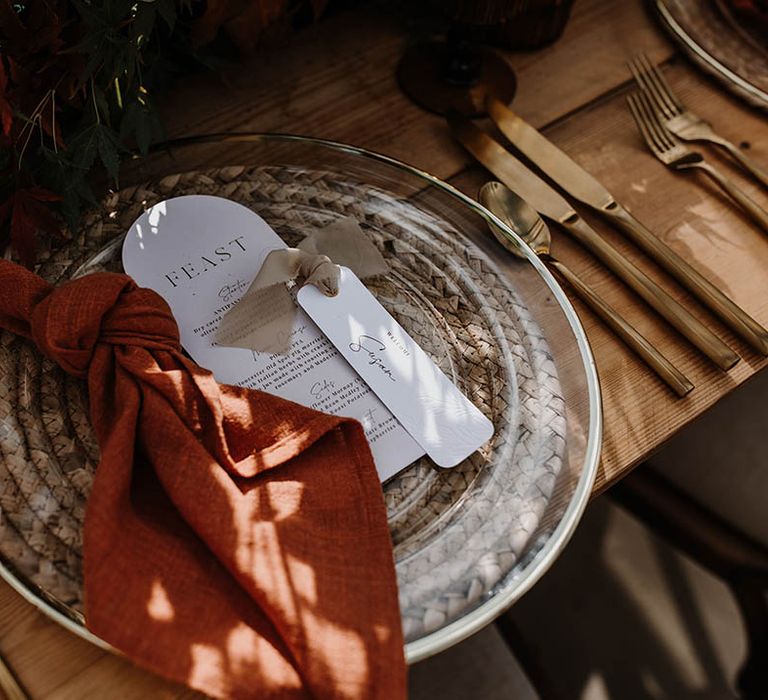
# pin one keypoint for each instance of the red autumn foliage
(28, 213)
(245, 22)
(78, 80)
(6, 110)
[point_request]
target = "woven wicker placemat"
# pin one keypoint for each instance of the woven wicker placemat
(457, 533)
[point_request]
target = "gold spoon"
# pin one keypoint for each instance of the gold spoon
(523, 219)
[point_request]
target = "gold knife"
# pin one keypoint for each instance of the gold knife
(553, 206)
(523, 218)
(585, 188)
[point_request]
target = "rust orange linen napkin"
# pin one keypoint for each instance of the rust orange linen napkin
(234, 541)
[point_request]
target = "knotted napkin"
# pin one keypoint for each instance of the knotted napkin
(234, 541)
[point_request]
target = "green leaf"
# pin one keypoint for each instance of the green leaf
(142, 124)
(109, 150)
(167, 10)
(96, 140)
(74, 195)
(101, 103)
(83, 149)
(57, 173)
(144, 22)
(84, 191)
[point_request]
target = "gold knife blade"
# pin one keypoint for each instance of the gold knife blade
(552, 161)
(510, 170)
(552, 205)
(584, 187)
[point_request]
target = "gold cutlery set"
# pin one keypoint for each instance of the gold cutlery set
(524, 195)
(521, 217)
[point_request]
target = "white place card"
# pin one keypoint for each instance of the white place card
(430, 406)
(201, 253)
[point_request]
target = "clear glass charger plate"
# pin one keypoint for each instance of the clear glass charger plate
(468, 541)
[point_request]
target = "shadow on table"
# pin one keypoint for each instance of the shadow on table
(622, 616)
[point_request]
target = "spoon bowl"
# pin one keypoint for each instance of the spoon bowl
(520, 216)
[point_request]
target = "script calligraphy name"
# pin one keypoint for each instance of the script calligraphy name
(371, 346)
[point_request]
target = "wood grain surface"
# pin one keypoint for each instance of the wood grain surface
(336, 80)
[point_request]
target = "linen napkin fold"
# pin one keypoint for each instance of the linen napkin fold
(234, 541)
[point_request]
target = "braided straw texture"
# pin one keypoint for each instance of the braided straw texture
(457, 533)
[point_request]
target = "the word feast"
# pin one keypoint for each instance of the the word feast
(204, 263)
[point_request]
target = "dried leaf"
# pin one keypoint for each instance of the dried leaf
(29, 213)
(6, 110)
(248, 27)
(245, 21)
(217, 13)
(318, 7)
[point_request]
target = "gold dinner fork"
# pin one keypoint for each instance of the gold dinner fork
(681, 121)
(677, 156)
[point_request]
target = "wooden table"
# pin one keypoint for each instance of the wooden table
(336, 80)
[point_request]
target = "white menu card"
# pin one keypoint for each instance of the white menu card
(201, 253)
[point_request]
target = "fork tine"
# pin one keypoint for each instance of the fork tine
(654, 122)
(644, 114)
(642, 126)
(663, 86)
(639, 66)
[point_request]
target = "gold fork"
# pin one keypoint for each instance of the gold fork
(681, 121)
(677, 156)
